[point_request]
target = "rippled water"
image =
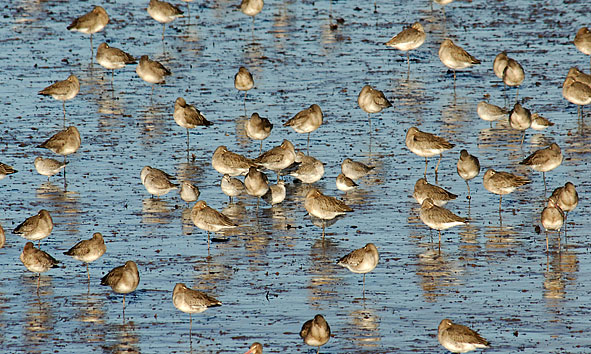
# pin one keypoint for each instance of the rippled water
(274, 273)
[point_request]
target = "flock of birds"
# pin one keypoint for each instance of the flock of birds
(284, 159)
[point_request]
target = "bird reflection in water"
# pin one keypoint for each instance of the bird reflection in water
(64, 205)
(156, 211)
(89, 311)
(126, 341)
(468, 237)
(38, 328)
(154, 122)
(363, 326)
(323, 274)
(437, 274)
(561, 270)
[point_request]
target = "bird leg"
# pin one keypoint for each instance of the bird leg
(522, 138)
(91, 49)
(308, 146)
(163, 28)
(64, 108)
(190, 327)
(364, 285)
(408, 65)
(544, 176)
(469, 195)
(546, 241)
(425, 174)
(369, 120)
(439, 242)
(437, 167)
(500, 200)
(87, 272)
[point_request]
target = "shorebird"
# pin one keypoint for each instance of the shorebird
(88, 251)
(458, 338)
(163, 12)
(230, 163)
(309, 170)
(579, 76)
(151, 71)
(36, 227)
(209, 219)
(513, 75)
(583, 40)
(251, 8)
(324, 207)
(112, 58)
(192, 301)
(372, 101)
(468, 167)
(255, 348)
(156, 181)
(426, 145)
(355, 169)
(243, 81)
(576, 92)
(189, 192)
(123, 279)
(502, 183)
(63, 143)
(544, 160)
(500, 63)
(188, 117)
(490, 112)
(232, 187)
(6, 170)
(90, 23)
(552, 218)
(275, 194)
(256, 183)
(306, 121)
(455, 57)
(315, 332)
(63, 91)
(278, 158)
(258, 128)
(520, 119)
(408, 39)
(362, 260)
(37, 261)
(539, 123)
(442, 3)
(438, 195)
(345, 183)
(438, 218)
(567, 198)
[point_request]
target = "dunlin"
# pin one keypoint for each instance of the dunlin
(278, 158)
(552, 218)
(576, 92)
(151, 71)
(192, 301)
(243, 81)
(309, 170)
(36, 227)
(156, 181)
(544, 160)
(6, 170)
(513, 75)
(88, 251)
(188, 117)
(231, 163)
(438, 218)
(372, 101)
(362, 260)
(209, 219)
(123, 279)
(355, 169)
(258, 128)
(502, 183)
(255, 348)
(232, 187)
(189, 192)
(490, 112)
(583, 40)
(37, 261)
(345, 183)
(539, 123)
(315, 332)
(468, 167)
(63, 91)
(306, 121)
(500, 63)
(48, 167)
(426, 145)
(251, 8)
(458, 338)
(112, 58)
(256, 183)
(163, 12)
(520, 119)
(63, 143)
(408, 39)
(90, 23)
(275, 194)
(438, 195)
(455, 57)
(567, 198)
(324, 207)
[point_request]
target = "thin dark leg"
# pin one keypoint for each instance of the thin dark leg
(163, 28)
(439, 242)
(469, 195)
(437, 167)
(425, 174)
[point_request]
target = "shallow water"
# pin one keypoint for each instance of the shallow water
(275, 273)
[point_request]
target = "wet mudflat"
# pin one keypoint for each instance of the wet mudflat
(274, 272)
